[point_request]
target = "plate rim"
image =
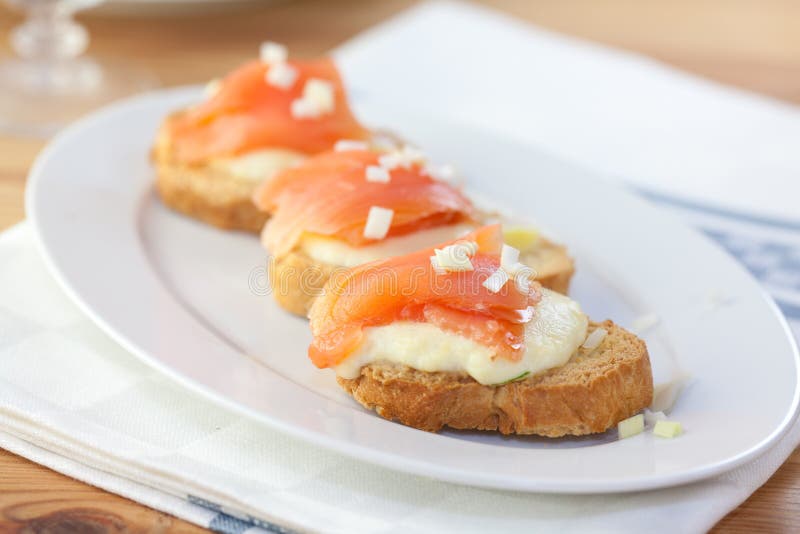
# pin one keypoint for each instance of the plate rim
(344, 446)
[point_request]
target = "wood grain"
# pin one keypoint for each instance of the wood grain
(751, 44)
(34, 499)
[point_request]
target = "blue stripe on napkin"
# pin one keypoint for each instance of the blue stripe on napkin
(769, 248)
(229, 524)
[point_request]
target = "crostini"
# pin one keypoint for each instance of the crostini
(457, 337)
(357, 204)
(266, 115)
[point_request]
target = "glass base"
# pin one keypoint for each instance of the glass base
(39, 97)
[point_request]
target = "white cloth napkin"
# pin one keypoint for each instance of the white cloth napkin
(73, 400)
(617, 113)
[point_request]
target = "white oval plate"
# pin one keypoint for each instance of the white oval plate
(188, 299)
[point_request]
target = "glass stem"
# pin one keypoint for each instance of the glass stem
(49, 33)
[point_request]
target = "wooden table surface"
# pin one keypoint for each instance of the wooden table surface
(750, 44)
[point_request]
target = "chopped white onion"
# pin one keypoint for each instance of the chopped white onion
(509, 258)
(651, 417)
(518, 267)
(405, 157)
(455, 258)
(496, 281)
(318, 99)
(436, 267)
(443, 173)
(320, 92)
(391, 160)
(379, 221)
(345, 145)
(303, 109)
(594, 339)
(413, 155)
(272, 53)
(631, 426)
(522, 273)
(378, 174)
(212, 88)
(471, 247)
(383, 142)
(281, 75)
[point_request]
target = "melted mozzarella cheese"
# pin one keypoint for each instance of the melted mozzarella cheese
(336, 252)
(553, 335)
(258, 165)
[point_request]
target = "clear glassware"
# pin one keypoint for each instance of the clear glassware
(51, 82)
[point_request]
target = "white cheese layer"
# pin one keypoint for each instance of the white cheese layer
(258, 165)
(336, 252)
(553, 335)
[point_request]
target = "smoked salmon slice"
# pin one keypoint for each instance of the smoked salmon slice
(408, 288)
(329, 195)
(248, 113)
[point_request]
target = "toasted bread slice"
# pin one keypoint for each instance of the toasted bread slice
(591, 393)
(205, 192)
(553, 265)
(297, 279)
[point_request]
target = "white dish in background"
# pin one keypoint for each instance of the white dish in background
(184, 298)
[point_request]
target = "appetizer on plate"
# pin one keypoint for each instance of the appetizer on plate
(357, 204)
(266, 115)
(459, 336)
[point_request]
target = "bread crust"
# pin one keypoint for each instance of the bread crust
(589, 394)
(553, 265)
(204, 192)
(296, 279)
